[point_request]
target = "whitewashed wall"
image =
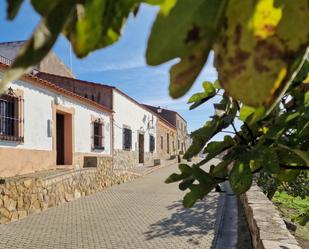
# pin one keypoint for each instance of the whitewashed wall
(129, 113)
(37, 112)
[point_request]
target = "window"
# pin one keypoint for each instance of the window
(178, 144)
(98, 136)
(168, 143)
(151, 143)
(161, 142)
(127, 139)
(10, 117)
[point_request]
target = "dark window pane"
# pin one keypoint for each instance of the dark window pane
(127, 139)
(98, 135)
(151, 143)
(9, 119)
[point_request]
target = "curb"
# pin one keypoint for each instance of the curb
(226, 228)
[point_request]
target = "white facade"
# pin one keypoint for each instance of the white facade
(38, 112)
(130, 114)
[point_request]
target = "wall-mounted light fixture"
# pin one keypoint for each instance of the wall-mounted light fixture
(159, 109)
(57, 100)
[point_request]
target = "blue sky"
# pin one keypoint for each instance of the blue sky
(122, 64)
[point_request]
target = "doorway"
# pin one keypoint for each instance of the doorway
(64, 139)
(141, 148)
(60, 138)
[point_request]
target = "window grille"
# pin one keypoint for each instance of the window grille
(98, 135)
(11, 121)
(127, 139)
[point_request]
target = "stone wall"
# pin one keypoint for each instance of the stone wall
(25, 195)
(124, 160)
(268, 230)
(149, 158)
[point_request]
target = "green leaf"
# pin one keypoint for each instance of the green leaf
(220, 170)
(13, 7)
(186, 171)
(43, 6)
(250, 114)
(303, 219)
(235, 152)
(265, 157)
(251, 52)
(203, 135)
(87, 30)
(186, 183)
(217, 85)
(41, 42)
(100, 24)
(245, 112)
(174, 178)
(215, 148)
(282, 123)
(241, 176)
(306, 99)
(202, 176)
(208, 91)
(198, 191)
(202, 97)
(287, 175)
(303, 155)
(189, 30)
(303, 73)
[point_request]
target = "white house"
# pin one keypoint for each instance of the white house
(134, 130)
(43, 126)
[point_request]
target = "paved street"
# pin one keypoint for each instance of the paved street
(145, 213)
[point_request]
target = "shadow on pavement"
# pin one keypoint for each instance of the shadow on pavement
(197, 221)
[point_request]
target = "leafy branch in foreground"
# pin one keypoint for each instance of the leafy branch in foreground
(257, 50)
(276, 143)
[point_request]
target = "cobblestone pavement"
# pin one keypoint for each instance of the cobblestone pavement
(145, 213)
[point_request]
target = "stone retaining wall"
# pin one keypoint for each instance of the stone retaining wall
(125, 160)
(23, 196)
(268, 230)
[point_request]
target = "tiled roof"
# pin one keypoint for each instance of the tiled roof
(51, 86)
(50, 76)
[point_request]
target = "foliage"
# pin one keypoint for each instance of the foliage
(298, 208)
(274, 144)
(260, 51)
(297, 188)
(257, 49)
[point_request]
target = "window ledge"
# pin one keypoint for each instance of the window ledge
(98, 148)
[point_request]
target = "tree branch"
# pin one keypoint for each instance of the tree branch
(237, 134)
(230, 132)
(247, 126)
(257, 170)
(297, 167)
(221, 179)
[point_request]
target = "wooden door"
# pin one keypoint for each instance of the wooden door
(141, 148)
(60, 139)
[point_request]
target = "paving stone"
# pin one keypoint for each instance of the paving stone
(145, 213)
